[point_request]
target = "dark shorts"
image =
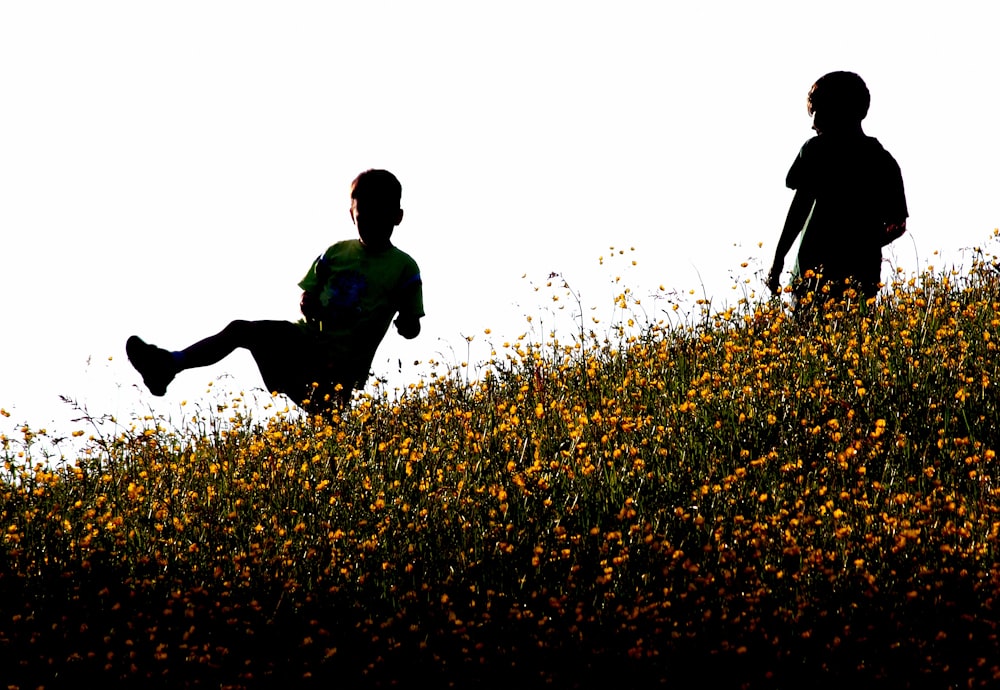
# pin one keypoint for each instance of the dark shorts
(295, 362)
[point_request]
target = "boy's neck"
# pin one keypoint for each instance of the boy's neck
(376, 247)
(845, 131)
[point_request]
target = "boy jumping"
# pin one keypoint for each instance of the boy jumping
(350, 295)
(849, 200)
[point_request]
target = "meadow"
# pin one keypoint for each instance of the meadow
(733, 497)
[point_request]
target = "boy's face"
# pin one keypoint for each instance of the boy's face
(375, 221)
(818, 123)
(826, 122)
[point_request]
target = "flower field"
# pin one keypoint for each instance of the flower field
(752, 498)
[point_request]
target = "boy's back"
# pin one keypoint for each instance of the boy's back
(857, 187)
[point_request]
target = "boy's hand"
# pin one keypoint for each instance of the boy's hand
(310, 306)
(774, 280)
(893, 231)
(408, 326)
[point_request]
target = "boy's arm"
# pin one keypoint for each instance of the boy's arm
(310, 305)
(410, 304)
(408, 326)
(312, 285)
(798, 213)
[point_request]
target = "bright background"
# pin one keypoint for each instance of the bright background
(167, 167)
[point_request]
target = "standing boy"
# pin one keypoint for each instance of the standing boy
(849, 200)
(350, 295)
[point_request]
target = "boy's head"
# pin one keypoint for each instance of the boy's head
(838, 101)
(375, 210)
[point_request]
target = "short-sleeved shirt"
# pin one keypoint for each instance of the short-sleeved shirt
(857, 190)
(360, 291)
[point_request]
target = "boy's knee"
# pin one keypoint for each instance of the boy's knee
(238, 328)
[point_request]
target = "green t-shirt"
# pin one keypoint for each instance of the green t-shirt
(360, 291)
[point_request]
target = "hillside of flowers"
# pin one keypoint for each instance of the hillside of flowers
(746, 497)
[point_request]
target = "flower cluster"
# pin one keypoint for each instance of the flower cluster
(754, 497)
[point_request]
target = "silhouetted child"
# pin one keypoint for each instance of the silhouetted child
(849, 200)
(350, 295)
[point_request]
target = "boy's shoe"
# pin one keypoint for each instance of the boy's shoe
(155, 364)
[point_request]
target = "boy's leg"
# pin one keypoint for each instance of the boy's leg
(274, 345)
(289, 361)
(217, 347)
(279, 348)
(155, 364)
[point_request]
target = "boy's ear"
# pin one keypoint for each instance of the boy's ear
(351, 211)
(399, 217)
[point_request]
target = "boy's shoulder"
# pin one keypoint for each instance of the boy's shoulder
(353, 252)
(403, 262)
(403, 255)
(827, 145)
(343, 247)
(827, 157)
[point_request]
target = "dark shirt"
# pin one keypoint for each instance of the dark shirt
(857, 191)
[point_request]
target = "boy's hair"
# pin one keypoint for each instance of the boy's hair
(841, 96)
(380, 186)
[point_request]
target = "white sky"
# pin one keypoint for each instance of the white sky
(167, 167)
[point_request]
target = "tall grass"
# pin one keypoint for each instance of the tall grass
(744, 496)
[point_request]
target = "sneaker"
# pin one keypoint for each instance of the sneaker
(154, 363)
